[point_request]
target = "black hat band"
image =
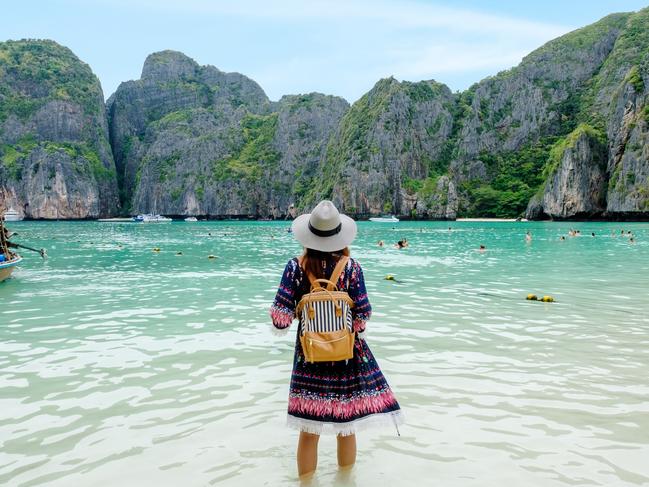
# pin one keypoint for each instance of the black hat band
(325, 233)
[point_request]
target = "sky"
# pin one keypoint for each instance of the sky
(337, 47)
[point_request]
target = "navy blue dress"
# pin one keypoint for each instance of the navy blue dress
(339, 397)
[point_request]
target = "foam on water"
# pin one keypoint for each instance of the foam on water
(122, 366)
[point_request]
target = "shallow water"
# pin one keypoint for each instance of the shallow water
(121, 366)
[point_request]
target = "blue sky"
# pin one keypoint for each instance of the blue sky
(297, 46)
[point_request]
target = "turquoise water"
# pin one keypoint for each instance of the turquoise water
(121, 366)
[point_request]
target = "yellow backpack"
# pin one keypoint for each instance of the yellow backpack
(325, 315)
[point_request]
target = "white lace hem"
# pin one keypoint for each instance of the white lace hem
(393, 418)
(279, 332)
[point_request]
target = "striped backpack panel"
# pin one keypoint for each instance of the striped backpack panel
(327, 311)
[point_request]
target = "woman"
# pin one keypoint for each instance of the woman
(338, 397)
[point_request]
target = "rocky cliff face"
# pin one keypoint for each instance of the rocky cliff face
(615, 103)
(576, 182)
(156, 119)
(389, 146)
(56, 161)
(621, 104)
(192, 140)
(565, 134)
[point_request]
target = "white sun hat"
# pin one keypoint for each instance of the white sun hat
(324, 229)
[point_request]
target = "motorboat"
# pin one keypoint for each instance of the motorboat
(151, 218)
(384, 219)
(191, 219)
(12, 215)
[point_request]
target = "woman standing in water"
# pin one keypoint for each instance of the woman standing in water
(331, 397)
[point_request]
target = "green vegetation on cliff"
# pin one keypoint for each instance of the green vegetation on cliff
(514, 178)
(255, 155)
(56, 72)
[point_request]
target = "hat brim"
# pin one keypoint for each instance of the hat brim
(309, 240)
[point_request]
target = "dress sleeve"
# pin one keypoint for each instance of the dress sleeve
(362, 309)
(282, 311)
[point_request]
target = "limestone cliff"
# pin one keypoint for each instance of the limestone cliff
(564, 134)
(387, 153)
(192, 140)
(576, 181)
(56, 161)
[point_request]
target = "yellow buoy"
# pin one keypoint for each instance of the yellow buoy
(547, 299)
(531, 297)
(389, 277)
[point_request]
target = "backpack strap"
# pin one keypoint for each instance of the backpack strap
(335, 275)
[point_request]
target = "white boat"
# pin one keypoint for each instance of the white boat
(385, 219)
(151, 218)
(191, 219)
(12, 215)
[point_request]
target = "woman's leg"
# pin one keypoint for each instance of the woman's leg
(307, 453)
(346, 450)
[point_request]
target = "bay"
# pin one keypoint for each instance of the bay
(121, 365)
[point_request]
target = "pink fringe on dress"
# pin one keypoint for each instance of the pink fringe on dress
(342, 409)
(281, 318)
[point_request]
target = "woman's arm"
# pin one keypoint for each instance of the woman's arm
(362, 309)
(282, 311)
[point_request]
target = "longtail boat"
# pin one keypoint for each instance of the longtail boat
(7, 267)
(8, 259)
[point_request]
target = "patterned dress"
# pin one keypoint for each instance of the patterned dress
(334, 397)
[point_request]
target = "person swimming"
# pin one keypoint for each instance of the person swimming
(482, 249)
(528, 236)
(401, 244)
(380, 243)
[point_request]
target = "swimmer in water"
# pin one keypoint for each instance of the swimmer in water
(401, 244)
(380, 243)
(482, 249)
(528, 236)
(562, 237)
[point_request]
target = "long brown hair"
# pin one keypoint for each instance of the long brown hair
(315, 262)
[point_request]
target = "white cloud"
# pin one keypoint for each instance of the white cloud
(403, 14)
(359, 40)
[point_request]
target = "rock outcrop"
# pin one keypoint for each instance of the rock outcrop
(387, 148)
(56, 161)
(192, 140)
(577, 181)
